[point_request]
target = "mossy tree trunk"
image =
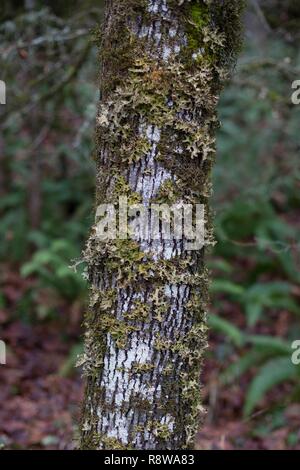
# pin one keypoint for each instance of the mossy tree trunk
(163, 66)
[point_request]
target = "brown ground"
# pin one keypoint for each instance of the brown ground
(39, 406)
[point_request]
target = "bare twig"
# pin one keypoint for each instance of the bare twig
(261, 15)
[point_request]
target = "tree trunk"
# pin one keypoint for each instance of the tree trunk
(163, 65)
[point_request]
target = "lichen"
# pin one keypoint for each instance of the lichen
(177, 96)
(113, 443)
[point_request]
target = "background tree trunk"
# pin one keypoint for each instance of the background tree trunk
(163, 64)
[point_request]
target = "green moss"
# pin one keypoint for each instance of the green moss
(199, 18)
(168, 193)
(162, 431)
(138, 368)
(200, 15)
(140, 311)
(198, 22)
(122, 188)
(118, 329)
(113, 443)
(228, 17)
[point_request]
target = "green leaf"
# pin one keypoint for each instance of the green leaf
(272, 373)
(270, 344)
(221, 265)
(50, 440)
(253, 312)
(268, 295)
(27, 269)
(227, 328)
(222, 285)
(239, 367)
(70, 363)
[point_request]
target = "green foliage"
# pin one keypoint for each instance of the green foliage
(69, 365)
(271, 355)
(258, 297)
(227, 328)
(256, 263)
(271, 295)
(272, 373)
(46, 208)
(50, 267)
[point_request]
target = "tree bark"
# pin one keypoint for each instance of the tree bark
(163, 66)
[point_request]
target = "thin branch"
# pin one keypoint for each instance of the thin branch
(261, 15)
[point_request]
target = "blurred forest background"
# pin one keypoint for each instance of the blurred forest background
(50, 66)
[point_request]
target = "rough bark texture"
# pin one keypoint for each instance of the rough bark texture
(163, 65)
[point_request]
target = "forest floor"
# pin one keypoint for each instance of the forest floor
(40, 393)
